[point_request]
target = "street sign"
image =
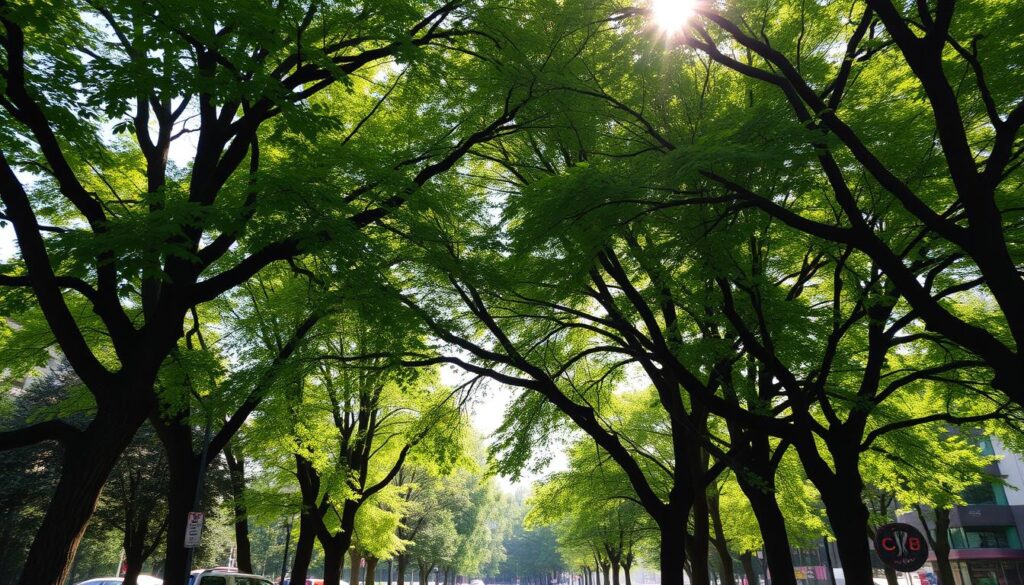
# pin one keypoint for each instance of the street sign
(901, 546)
(194, 529)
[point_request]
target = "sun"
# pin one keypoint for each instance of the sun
(671, 15)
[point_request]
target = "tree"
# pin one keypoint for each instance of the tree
(952, 211)
(117, 243)
(134, 501)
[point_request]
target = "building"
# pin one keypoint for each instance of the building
(986, 534)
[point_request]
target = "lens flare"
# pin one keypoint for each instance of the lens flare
(671, 15)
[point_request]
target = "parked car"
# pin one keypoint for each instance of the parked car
(142, 580)
(225, 576)
(476, 582)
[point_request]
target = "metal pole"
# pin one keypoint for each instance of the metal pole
(828, 560)
(197, 500)
(287, 541)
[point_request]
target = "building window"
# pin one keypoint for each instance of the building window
(985, 494)
(977, 537)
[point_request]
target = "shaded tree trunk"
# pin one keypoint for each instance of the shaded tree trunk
(353, 577)
(890, 576)
(424, 576)
(848, 517)
(403, 564)
(938, 539)
(88, 460)
(672, 551)
(747, 562)
(721, 545)
(371, 568)
(236, 469)
(772, 526)
(304, 547)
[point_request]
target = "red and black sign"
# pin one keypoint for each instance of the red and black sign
(901, 546)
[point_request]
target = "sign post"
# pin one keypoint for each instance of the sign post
(194, 529)
(901, 546)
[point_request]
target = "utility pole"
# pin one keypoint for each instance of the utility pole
(200, 481)
(287, 541)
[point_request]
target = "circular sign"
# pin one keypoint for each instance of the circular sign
(901, 546)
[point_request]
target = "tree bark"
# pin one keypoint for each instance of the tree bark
(721, 545)
(353, 577)
(403, 564)
(236, 468)
(133, 560)
(672, 551)
(334, 559)
(939, 543)
(848, 517)
(700, 542)
(371, 567)
(87, 462)
(424, 576)
(772, 526)
(747, 561)
(890, 576)
(304, 547)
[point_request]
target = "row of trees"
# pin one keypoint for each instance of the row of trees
(430, 517)
(777, 244)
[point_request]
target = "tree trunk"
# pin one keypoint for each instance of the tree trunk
(87, 462)
(183, 472)
(371, 567)
(334, 559)
(403, 564)
(721, 545)
(353, 577)
(424, 576)
(133, 560)
(672, 553)
(772, 525)
(849, 519)
(615, 573)
(747, 561)
(606, 569)
(700, 540)
(939, 543)
(626, 567)
(304, 547)
(236, 468)
(890, 576)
